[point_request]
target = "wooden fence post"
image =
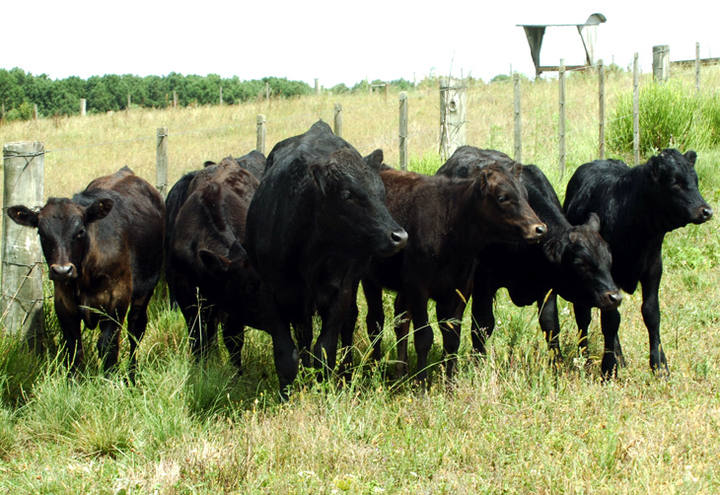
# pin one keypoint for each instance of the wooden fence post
(83, 107)
(636, 109)
(403, 134)
(661, 63)
(221, 96)
(561, 118)
(35, 112)
(338, 120)
(161, 160)
(697, 67)
(452, 116)
(260, 142)
(601, 110)
(317, 86)
(175, 99)
(21, 310)
(517, 118)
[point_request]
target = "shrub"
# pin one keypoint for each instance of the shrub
(670, 116)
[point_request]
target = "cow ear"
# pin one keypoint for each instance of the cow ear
(209, 163)
(654, 163)
(516, 170)
(213, 262)
(319, 175)
(23, 215)
(593, 222)
(375, 159)
(691, 157)
(481, 182)
(98, 210)
(553, 249)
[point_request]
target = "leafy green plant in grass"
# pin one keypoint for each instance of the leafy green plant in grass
(670, 116)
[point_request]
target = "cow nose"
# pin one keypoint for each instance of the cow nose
(537, 232)
(613, 298)
(706, 213)
(399, 238)
(62, 271)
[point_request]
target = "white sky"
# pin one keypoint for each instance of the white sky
(337, 41)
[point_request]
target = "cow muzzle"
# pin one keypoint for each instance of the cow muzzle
(611, 299)
(703, 214)
(63, 272)
(536, 232)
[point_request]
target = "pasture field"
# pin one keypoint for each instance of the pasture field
(509, 422)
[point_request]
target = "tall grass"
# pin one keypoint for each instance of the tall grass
(509, 422)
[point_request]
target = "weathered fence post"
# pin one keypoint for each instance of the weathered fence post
(221, 96)
(697, 67)
(403, 134)
(35, 112)
(260, 142)
(338, 120)
(21, 310)
(83, 107)
(601, 110)
(561, 118)
(267, 91)
(636, 109)
(317, 86)
(161, 160)
(517, 118)
(661, 63)
(452, 116)
(175, 99)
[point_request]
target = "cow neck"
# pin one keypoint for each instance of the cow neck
(469, 234)
(633, 200)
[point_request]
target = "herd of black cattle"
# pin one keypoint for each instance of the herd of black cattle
(270, 243)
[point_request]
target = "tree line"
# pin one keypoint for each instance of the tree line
(20, 91)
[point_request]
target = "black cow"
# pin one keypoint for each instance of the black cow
(104, 251)
(206, 264)
(637, 206)
(315, 221)
(572, 261)
(449, 221)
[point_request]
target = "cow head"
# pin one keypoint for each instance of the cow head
(675, 189)
(583, 259)
(501, 204)
(63, 229)
(351, 204)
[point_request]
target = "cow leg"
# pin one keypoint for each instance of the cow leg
(285, 355)
(609, 322)
(108, 345)
(304, 337)
(651, 316)
(483, 319)
(582, 319)
(234, 338)
(422, 334)
(402, 319)
(70, 325)
(137, 323)
(375, 319)
(346, 335)
(325, 349)
(550, 325)
(449, 316)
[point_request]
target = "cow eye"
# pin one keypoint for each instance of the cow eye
(345, 195)
(80, 234)
(502, 198)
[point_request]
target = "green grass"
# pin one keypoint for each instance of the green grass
(508, 423)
